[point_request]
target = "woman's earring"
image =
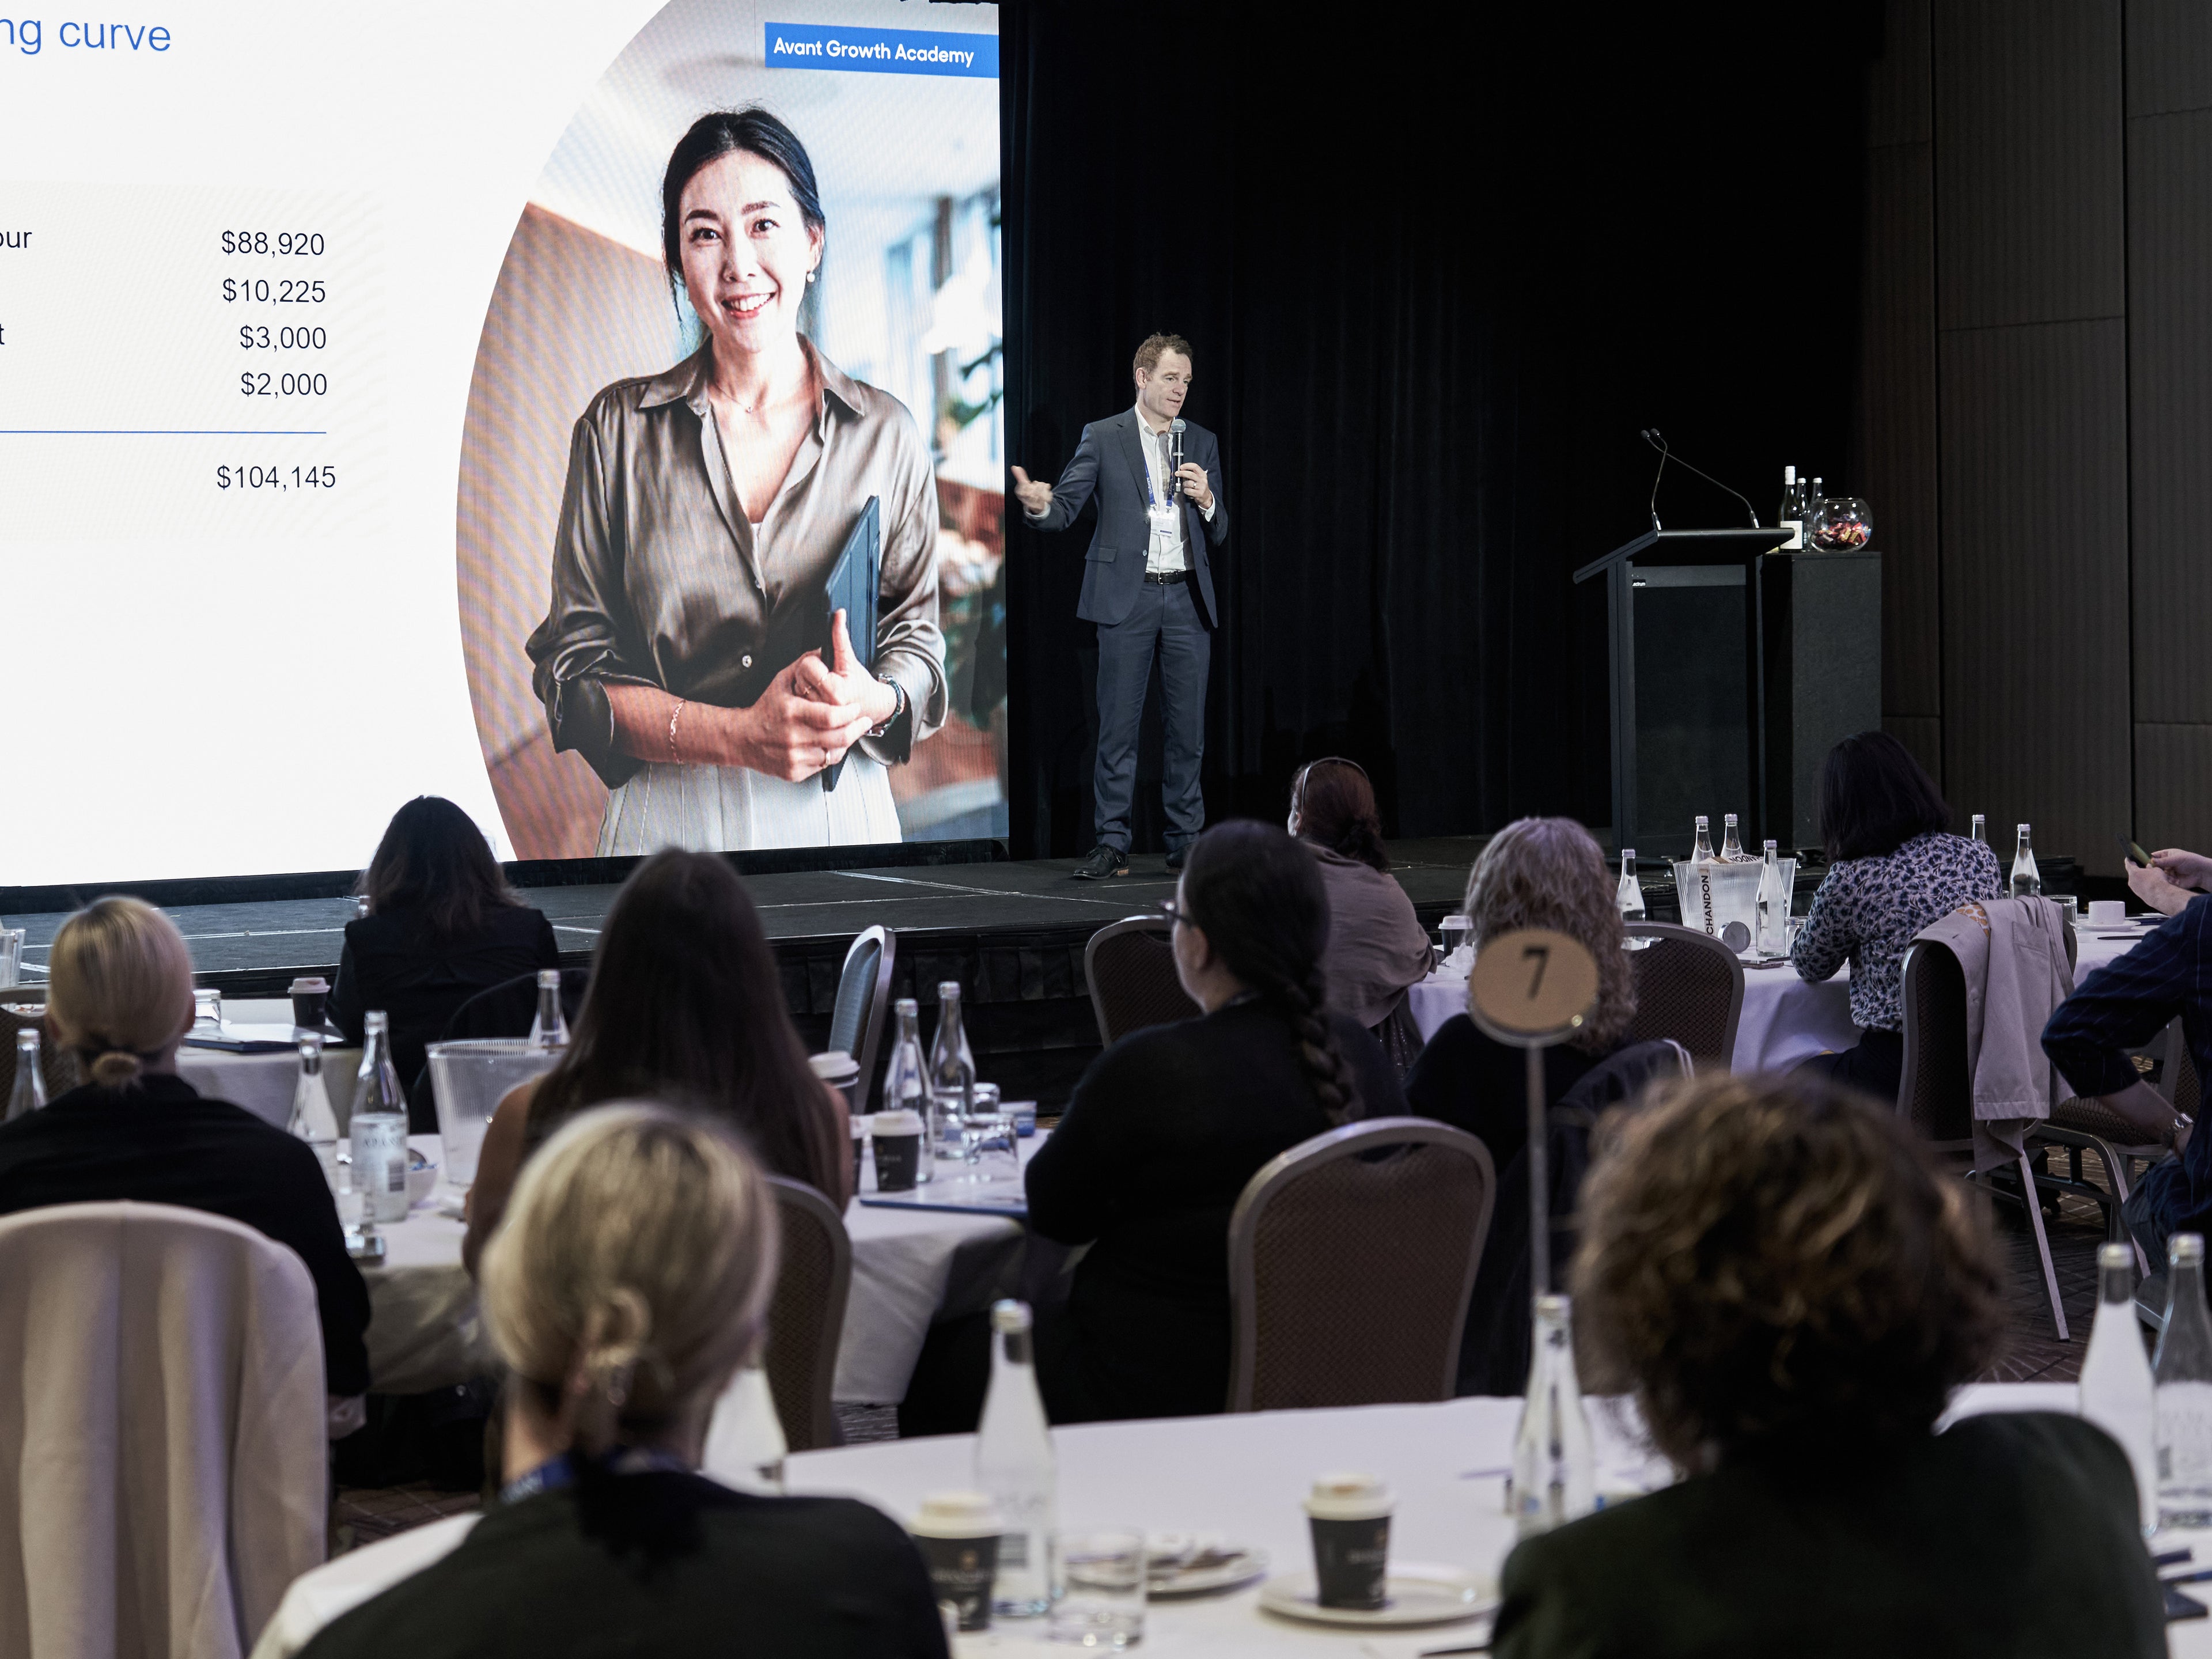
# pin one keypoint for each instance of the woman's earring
(810, 275)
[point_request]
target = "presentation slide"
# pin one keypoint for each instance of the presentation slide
(588, 412)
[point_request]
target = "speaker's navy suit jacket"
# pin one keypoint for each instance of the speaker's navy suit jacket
(1109, 463)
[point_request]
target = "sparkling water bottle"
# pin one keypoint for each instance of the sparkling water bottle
(1014, 1465)
(30, 1091)
(1773, 906)
(2182, 1374)
(951, 1076)
(1980, 831)
(379, 1126)
(906, 1079)
(2116, 1392)
(1703, 851)
(1554, 1467)
(1731, 848)
(2026, 879)
(312, 1118)
(550, 1028)
(1629, 895)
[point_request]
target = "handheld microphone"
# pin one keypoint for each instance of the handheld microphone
(1175, 454)
(1652, 436)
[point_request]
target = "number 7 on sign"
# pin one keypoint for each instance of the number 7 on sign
(1542, 953)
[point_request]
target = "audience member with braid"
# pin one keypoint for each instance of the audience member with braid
(1163, 1133)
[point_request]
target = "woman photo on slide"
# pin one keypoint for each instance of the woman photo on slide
(705, 510)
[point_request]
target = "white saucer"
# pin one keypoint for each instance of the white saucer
(1417, 1593)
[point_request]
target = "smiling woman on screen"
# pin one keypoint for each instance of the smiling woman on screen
(706, 509)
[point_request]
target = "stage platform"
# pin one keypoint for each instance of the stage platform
(1011, 933)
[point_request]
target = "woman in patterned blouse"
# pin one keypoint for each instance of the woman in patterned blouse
(1892, 868)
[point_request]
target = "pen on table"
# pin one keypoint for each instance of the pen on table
(2201, 1576)
(2171, 1556)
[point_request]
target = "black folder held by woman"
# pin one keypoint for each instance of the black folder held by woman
(852, 588)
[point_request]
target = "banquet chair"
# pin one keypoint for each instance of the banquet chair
(163, 1470)
(57, 1065)
(1689, 988)
(806, 1316)
(1351, 1259)
(1130, 967)
(1936, 1093)
(864, 992)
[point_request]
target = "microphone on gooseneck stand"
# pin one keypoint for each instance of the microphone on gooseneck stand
(1652, 436)
(1175, 454)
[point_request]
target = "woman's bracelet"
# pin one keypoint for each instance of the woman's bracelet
(675, 716)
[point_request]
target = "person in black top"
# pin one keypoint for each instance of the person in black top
(1792, 1289)
(442, 925)
(629, 1282)
(1163, 1133)
(1536, 873)
(121, 1001)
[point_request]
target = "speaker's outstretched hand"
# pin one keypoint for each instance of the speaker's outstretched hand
(1034, 497)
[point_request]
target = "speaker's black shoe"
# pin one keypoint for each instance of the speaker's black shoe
(1103, 861)
(1176, 858)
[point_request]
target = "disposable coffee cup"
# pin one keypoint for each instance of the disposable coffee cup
(958, 1534)
(860, 1146)
(310, 998)
(841, 1073)
(897, 1138)
(1350, 1515)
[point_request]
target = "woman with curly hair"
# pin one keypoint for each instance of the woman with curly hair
(1161, 1133)
(1792, 1290)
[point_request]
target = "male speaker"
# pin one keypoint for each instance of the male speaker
(1148, 584)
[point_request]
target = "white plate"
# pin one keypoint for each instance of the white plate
(1418, 1593)
(1241, 1567)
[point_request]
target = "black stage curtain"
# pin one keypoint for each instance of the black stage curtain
(1438, 266)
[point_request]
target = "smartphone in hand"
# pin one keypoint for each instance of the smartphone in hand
(2130, 850)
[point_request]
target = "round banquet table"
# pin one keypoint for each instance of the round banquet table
(1785, 1018)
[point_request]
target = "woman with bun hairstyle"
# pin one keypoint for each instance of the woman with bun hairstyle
(1161, 1133)
(1376, 945)
(629, 1281)
(119, 1000)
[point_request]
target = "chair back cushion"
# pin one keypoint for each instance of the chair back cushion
(806, 1316)
(1689, 988)
(162, 1452)
(1936, 1093)
(1350, 1261)
(1131, 968)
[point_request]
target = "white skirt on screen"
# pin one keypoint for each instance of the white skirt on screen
(729, 809)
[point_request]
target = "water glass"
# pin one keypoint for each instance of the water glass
(987, 1138)
(11, 956)
(1457, 930)
(1101, 1599)
(207, 1010)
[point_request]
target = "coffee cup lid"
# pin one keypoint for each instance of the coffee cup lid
(302, 987)
(897, 1123)
(835, 1066)
(1348, 1497)
(957, 1515)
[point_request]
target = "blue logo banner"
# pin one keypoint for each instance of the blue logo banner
(880, 52)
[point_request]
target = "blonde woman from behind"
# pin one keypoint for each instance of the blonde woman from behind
(119, 1000)
(627, 1283)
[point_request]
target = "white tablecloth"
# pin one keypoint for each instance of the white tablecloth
(1785, 1018)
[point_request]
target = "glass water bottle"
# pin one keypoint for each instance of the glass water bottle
(312, 1118)
(550, 1028)
(1554, 1467)
(2026, 879)
(1773, 905)
(29, 1093)
(1703, 851)
(1731, 846)
(2116, 1392)
(1014, 1465)
(379, 1126)
(1980, 831)
(1629, 895)
(2182, 1378)
(906, 1079)
(951, 1077)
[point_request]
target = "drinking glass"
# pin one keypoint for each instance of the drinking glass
(1101, 1599)
(11, 956)
(1457, 930)
(207, 1009)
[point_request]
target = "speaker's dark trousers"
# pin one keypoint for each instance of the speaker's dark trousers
(1165, 620)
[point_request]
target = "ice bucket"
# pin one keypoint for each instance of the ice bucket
(1720, 899)
(469, 1080)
